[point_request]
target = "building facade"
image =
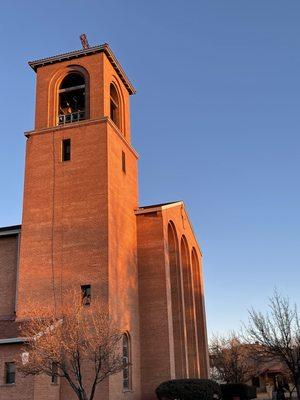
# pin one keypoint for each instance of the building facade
(82, 228)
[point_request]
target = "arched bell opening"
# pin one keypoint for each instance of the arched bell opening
(115, 108)
(72, 99)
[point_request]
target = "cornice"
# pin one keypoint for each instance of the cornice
(88, 122)
(103, 48)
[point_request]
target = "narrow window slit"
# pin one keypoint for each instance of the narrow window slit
(66, 150)
(86, 294)
(123, 162)
(54, 374)
(10, 373)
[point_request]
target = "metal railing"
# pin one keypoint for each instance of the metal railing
(69, 118)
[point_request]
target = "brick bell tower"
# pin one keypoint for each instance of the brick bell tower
(80, 193)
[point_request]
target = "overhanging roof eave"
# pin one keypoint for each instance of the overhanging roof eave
(12, 340)
(84, 52)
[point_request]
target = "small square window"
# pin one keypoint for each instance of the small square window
(10, 373)
(123, 162)
(66, 150)
(86, 294)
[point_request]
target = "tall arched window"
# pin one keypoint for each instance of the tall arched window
(189, 309)
(115, 105)
(127, 362)
(72, 101)
(176, 296)
(200, 311)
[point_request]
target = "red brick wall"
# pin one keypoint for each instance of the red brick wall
(184, 228)
(122, 202)
(79, 225)
(49, 78)
(154, 324)
(23, 389)
(159, 340)
(8, 274)
(64, 214)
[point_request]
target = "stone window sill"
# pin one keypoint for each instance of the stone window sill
(8, 385)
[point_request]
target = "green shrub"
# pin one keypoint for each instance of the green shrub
(240, 390)
(188, 389)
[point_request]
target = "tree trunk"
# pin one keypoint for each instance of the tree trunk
(298, 388)
(84, 396)
(81, 395)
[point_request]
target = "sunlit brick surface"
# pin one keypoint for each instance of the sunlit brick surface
(82, 225)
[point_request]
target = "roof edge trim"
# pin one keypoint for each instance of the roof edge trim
(12, 340)
(149, 209)
(10, 230)
(84, 52)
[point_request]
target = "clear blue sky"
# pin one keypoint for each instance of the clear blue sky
(216, 122)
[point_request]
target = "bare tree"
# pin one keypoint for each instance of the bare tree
(277, 335)
(230, 359)
(69, 343)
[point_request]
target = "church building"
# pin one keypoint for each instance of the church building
(83, 229)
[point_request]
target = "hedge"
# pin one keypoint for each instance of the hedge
(240, 390)
(188, 389)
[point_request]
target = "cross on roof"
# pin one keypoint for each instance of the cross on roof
(84, 41)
